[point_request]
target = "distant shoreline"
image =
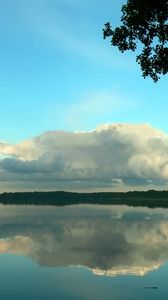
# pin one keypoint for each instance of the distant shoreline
(149, 198)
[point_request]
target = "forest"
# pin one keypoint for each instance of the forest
(151, 198)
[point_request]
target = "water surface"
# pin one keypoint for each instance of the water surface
(83, 252)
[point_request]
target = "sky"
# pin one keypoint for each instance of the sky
(64, 90)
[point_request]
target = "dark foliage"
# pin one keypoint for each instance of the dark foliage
(144, 21)
(149, 199)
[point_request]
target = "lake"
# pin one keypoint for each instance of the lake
(85, 252)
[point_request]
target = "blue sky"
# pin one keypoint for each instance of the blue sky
(56, 71)
(57, 74)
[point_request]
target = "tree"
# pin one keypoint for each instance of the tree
(144, 22)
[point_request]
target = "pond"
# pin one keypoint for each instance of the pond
(83, 252)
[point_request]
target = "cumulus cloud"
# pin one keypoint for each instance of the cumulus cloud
(112, 155)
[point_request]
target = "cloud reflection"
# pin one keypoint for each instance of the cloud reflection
(108, 240)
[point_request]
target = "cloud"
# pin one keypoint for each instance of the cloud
(111, 155)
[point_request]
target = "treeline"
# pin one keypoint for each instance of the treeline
(150, 198)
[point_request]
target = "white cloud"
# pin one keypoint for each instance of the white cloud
(111, 155)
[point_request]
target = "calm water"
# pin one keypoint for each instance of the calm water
(83, 252)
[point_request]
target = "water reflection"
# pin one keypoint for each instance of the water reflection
(108, 240)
